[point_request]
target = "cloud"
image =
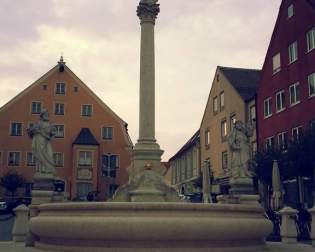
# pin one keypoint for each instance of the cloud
(100, 41)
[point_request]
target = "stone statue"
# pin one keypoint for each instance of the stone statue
(239, 143)
(41, 134)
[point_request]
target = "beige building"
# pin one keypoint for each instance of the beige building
(232, 97)
(185, 166)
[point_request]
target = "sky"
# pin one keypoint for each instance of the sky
(100, 41)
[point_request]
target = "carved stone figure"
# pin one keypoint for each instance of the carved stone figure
(239, 143)
(41, 134)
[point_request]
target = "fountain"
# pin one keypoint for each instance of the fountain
(146, 215)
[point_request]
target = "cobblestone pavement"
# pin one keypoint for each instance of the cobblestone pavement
(274, 247)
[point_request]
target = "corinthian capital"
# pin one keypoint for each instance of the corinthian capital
(148, 10)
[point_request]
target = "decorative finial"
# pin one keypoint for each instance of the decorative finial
(61, 64)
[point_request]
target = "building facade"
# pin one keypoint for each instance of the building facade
(231, 98)
(286, 94)
(185, 166)
(92, 148)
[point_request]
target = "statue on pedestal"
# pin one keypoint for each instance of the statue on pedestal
(239, 143)
(41, 134)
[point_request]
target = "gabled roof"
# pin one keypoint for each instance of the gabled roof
(193, 140)
(245, 81)
(85, 137)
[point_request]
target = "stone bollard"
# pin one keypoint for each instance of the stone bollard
(20, 227)
(312, 212)
(288, 227)
(30, 237)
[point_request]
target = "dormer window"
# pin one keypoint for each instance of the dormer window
(290, 11)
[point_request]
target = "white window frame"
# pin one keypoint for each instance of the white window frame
(107, 132)
(282, 141)
(58, 132)
(222, 101)
(310, 38)
(207, 137)
(38, 107)
(296, 99)
(84, 111)
(60, 88)
(86, 159)
(311, 85)
(58, 110)
(268, 103)
(270, 143)
(225, 155)
(293, 52)
(298, 131)
(16, 158)
(61, 159)
(290, 11)
(30, 161)
(280, 96)
(14, 131)
(276, 63)
(108, 168)
(215, 105)
(224, 129)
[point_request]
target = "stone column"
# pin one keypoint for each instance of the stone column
(20, 226)
(288, 228)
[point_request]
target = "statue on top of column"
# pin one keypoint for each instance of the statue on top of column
(41, 134)
(148, 8)
(239, 143)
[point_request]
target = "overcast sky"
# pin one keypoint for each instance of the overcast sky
(100, 41)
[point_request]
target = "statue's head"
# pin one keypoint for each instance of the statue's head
(149, 1)
(44, 115)
(238, 125)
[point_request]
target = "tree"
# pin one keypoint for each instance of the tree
(11, 181)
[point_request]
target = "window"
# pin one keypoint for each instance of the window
(280, 101)
(252, 113)
(86, 110)
(59, 109)
(224, 161)
(58, 159)
(110, 164)
(276, 63)
(59, 131)
(30, 159)
(44, 86)
(14, 158)
(294, 94)
(16, 129)
(232, 121)
(267, 107)
(112, 189)
(36, 107)
(215, 105)
(270, 143)
(293, 52)
(283, 140)
(207, 137)
(76, 89)
(290, 11)
(221, 101)
(85, 158)
(107, 133)
(311, 84)
(83, 189)
(310, 37)
(223, 130)
(296, 133)
(60, 88)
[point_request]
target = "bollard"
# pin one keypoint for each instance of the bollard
(20, 227)
(288, 227)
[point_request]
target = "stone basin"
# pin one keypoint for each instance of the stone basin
(150, 227)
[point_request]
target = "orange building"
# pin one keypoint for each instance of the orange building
(92, 148)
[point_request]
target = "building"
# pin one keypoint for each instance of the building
(231, 98)
(286, 94)
(92, 148)
(185, 166)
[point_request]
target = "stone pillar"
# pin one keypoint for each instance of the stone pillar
(20, 227)
(288, 228)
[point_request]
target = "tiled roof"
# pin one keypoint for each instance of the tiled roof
(193, 140)
(245, 81)
(85, 137)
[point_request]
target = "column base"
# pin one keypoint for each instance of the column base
(241, 186)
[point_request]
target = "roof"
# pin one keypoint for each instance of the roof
(192, 141)
(245, 81)
(85, 137)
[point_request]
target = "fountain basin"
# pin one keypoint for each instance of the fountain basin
(148, 227)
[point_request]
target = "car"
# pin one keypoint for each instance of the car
(3, 205)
